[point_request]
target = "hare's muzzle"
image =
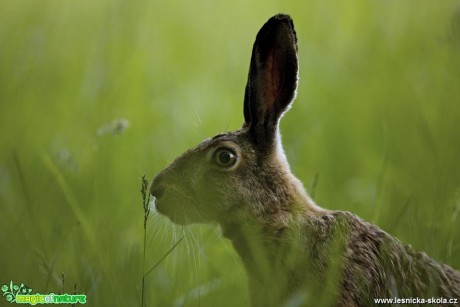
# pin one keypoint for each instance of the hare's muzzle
(157, 188)
(170, 200)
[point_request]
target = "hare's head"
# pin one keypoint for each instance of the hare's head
(241, 175)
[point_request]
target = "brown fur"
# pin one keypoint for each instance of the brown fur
(291, 248)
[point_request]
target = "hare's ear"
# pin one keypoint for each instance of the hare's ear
(272, 80)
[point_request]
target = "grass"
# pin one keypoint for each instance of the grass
(145, 205)
(374, 130)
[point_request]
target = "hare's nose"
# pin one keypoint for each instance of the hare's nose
(157, 188)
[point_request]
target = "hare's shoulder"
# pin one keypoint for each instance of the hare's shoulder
(383, 266)
(362, 237)
(346, 226)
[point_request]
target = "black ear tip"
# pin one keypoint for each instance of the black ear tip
(279, 21)
(282, 19)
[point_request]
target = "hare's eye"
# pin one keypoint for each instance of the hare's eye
(225, 157)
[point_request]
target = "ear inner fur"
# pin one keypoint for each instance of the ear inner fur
(272, 80)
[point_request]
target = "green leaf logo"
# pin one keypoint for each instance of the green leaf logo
(10, 292)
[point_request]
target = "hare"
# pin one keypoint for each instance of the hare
(293, 250)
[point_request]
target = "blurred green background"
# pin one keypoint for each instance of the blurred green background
(95, 94)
